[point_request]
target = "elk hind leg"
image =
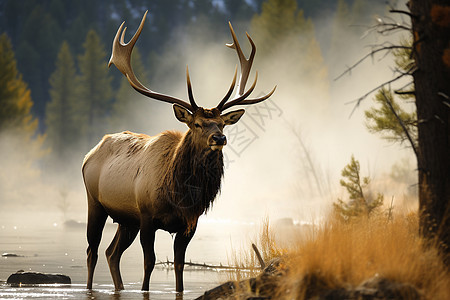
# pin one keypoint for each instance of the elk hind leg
(122, 240)
(180, 244)
(96, 222)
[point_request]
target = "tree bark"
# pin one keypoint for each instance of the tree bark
(431, 30)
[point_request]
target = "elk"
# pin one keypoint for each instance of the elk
(145, 183)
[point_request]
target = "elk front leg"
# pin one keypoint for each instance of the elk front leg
(148, 246)
(181, 242)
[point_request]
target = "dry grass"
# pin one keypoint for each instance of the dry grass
(343, 255)
(247, 259)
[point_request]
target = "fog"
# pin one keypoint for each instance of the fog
(267, 172)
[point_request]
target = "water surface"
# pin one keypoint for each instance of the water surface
(50, 247)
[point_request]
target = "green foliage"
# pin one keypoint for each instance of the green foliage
(95, 96)
(283, 35)
(37, 49)
(62, 129)
(15, 98)
(281, 22)
(383, 121)
(20, 147)
(361, 202)
(390, 118)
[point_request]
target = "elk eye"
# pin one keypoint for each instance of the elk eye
(197, 125)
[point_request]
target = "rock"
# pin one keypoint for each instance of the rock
(11, 255)
(74, 224)
(21, 277)
(375, 288)
(273, 267)
(222, 291)
(313, 286)
(383, 288)
(260, 287)
(284, 222)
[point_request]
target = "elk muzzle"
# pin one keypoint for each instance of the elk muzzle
(217, 141)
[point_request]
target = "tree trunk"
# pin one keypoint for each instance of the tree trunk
(431, 29)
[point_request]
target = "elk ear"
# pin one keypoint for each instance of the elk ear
(182, 114)
(232, 117)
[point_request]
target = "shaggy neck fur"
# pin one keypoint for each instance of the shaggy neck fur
(194, 180)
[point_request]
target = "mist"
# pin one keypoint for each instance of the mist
(266, 168)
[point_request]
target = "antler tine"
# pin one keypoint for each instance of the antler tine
(239, 100)
(121, 58)
(230, 91)
(191, 95)
(246, 65)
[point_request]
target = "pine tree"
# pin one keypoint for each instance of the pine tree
(283, 35)
(93, 105)
(19, 145)
(15, 98)
(391, 119)
(361, 202)
(40, 38)
(280, 23)
(62, 129)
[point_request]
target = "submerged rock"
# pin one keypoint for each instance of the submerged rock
(11, 255)
(21, 277)
(74, 224)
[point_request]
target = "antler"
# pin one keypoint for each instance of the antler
(121, 58)
(246, 65)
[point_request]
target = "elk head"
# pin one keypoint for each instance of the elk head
(206, 124)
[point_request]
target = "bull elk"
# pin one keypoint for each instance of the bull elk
(145, 183)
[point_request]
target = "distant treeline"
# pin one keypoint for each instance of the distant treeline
(61, 48)
(38, 28)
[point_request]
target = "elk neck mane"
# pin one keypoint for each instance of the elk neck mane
(193, 179)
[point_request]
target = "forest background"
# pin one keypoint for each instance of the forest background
(58, 98)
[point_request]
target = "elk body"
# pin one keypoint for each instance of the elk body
(145, 183)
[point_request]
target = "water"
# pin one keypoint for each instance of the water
(43, 245)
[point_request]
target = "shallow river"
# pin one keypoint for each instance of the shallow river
(49, 247)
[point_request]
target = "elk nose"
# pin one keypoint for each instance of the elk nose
(219, 139)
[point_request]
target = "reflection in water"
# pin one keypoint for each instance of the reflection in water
(79, 292)
(134, 294)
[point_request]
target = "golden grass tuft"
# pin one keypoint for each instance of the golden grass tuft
(246, 259)
(345, 254)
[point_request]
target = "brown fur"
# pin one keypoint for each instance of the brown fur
(192, 180)
(188, 176)
(164, 182)
(147, 183)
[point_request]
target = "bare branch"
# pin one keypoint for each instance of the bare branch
(405, 92)
(406, 85)
(409, 14)
(360, 99)
(371, 54)
(402, 124)
(386, 27)
(170, 264)
(258, 255)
